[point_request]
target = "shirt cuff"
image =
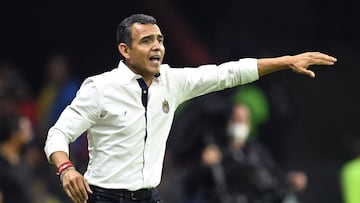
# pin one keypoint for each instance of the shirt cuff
(56, 141)
(249, 70)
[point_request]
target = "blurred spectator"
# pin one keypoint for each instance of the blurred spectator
(193, 121)
(171, 189)
(350, 177)
(59, 90)
(15, 93)
(16, 97)
(244, 172)
(257, 103)
(15, 174)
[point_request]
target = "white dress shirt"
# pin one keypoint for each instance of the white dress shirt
(109, 107)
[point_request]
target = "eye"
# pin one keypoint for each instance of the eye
(146, 41)
(160, 39)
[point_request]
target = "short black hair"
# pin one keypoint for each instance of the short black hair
(123, 33)
(9, 123)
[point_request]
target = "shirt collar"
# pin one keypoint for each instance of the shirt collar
(127, 75)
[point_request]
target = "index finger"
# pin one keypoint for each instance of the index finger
(87, 186)
(325, 57)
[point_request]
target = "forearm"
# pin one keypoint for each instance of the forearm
(59, 157)
(73, 183)
(269, 65)
(298, 63)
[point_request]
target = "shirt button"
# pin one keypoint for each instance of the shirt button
(144, 91)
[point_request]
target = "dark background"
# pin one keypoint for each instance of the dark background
(324, 111)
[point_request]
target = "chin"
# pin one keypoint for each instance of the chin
(155, 69)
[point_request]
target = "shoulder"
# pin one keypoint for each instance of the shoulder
(102, 78)
(170, 72)
(164, 68)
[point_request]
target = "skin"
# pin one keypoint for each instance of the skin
(147, 41)
(74, 184)
(299, 63)
(241, 114)
(212, 154)
(11, 148)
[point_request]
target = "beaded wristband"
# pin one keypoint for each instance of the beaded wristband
(64, 166)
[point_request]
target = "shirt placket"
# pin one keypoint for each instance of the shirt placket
(144, 100)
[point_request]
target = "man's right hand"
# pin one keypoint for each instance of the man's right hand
(75, 186)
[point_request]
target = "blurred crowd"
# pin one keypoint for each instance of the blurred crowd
(215, 149)
(25, 174)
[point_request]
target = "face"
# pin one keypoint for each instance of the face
(239, 124)
(57, 69)
(24, 133)
(240, 114)
(147, 50)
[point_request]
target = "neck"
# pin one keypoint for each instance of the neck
(147, 78)
(148, 81)
(11, 152)
(237, 145)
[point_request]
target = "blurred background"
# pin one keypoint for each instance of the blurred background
(47, 48)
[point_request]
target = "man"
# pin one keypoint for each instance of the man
(128, 112)
(15, 173)
(244, 172)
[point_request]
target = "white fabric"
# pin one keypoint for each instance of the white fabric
(108, 106)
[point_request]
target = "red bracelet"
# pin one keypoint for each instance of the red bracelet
(64, 166)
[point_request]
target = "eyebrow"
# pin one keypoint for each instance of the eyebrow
(150, 36)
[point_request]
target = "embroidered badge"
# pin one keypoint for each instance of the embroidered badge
(165, 106)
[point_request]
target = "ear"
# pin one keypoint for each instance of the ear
(124, 50)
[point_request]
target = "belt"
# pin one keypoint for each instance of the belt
(138, 195)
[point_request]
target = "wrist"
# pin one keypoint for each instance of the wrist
(64, 166)
(269, 65)
(285, 61)
(65, 171)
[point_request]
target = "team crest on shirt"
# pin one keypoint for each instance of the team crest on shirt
(165, 106)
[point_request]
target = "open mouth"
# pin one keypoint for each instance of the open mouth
(155, 58)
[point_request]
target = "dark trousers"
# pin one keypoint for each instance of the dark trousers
(102, 195)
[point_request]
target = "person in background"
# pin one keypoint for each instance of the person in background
(16, 96)
(15, 93)
(57, 92)
(244, 170)
(15, 173)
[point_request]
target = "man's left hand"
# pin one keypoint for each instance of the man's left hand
(300, 63)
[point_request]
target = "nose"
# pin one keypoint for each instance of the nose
(156, 45)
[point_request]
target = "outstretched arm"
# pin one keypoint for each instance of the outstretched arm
(298, 63)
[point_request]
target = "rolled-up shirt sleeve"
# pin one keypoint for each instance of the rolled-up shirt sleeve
(80, 115)
(210, 78)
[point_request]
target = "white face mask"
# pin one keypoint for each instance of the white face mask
(238, 131)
